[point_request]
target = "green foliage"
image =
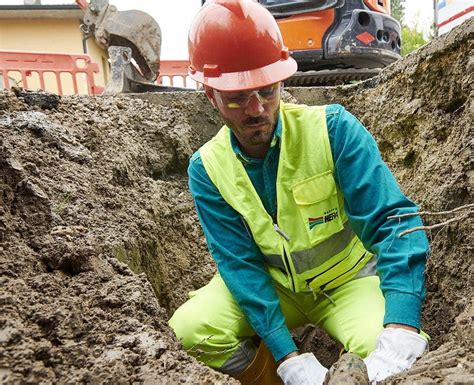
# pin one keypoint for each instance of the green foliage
(411, 40)
(397, 9)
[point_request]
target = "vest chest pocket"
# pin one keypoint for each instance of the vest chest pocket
(317, 203)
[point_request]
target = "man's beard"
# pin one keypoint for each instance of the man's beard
(252, 121)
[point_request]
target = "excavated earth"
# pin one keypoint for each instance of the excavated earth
(99, 241)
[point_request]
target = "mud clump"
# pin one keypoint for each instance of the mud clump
(100, 243)
(349, 370)
(43, 100)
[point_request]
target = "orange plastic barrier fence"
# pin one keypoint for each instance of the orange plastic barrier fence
(28, 63)
(173, 70)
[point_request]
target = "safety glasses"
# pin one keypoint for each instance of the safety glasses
(241, 99)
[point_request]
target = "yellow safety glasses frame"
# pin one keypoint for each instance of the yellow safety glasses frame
(241, 99)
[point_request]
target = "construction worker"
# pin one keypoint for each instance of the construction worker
(293, 201)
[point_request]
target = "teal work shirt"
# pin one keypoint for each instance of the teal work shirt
(371, 193)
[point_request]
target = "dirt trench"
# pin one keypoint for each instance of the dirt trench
(99, 241)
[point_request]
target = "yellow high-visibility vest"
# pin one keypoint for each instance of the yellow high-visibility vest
(312, 245)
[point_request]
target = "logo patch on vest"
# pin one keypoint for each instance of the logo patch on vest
(328, 216)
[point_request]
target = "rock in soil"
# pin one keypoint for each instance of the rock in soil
(348, 370)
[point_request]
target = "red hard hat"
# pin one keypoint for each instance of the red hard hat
(237, 45)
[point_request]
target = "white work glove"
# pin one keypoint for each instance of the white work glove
(303, 369)
(396, 350)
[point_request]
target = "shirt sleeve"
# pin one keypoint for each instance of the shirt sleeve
(371, 194)
(239, 261)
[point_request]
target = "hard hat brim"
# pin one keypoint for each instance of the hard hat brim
(247, 80)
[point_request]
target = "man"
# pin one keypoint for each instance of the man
(293, 201)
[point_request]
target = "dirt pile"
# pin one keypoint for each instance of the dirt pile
(84, 185)
(100, 242)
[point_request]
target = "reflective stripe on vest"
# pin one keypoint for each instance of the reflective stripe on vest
(318, 254)
(314, 245)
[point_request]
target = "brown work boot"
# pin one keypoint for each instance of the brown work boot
(262, 370)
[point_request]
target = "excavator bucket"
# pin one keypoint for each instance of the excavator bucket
(133, 40)
(140, 32)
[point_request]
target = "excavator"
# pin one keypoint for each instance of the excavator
(336, 41)
(333, 41)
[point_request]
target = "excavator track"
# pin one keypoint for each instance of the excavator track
(331, 77)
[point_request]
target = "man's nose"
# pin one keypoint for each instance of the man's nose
(255, 106)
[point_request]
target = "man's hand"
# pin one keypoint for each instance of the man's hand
(302, 369)
(396, 350)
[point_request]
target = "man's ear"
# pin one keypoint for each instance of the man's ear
(210, 95)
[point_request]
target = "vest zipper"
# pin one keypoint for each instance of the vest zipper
(289, 269)
(281, 232)
(285, 256)
(321, 291)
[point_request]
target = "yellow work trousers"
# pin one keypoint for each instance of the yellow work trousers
(211, 325)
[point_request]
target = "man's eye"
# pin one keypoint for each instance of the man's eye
(237, 100)
(266, 93)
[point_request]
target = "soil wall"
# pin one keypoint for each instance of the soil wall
(99, 241)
